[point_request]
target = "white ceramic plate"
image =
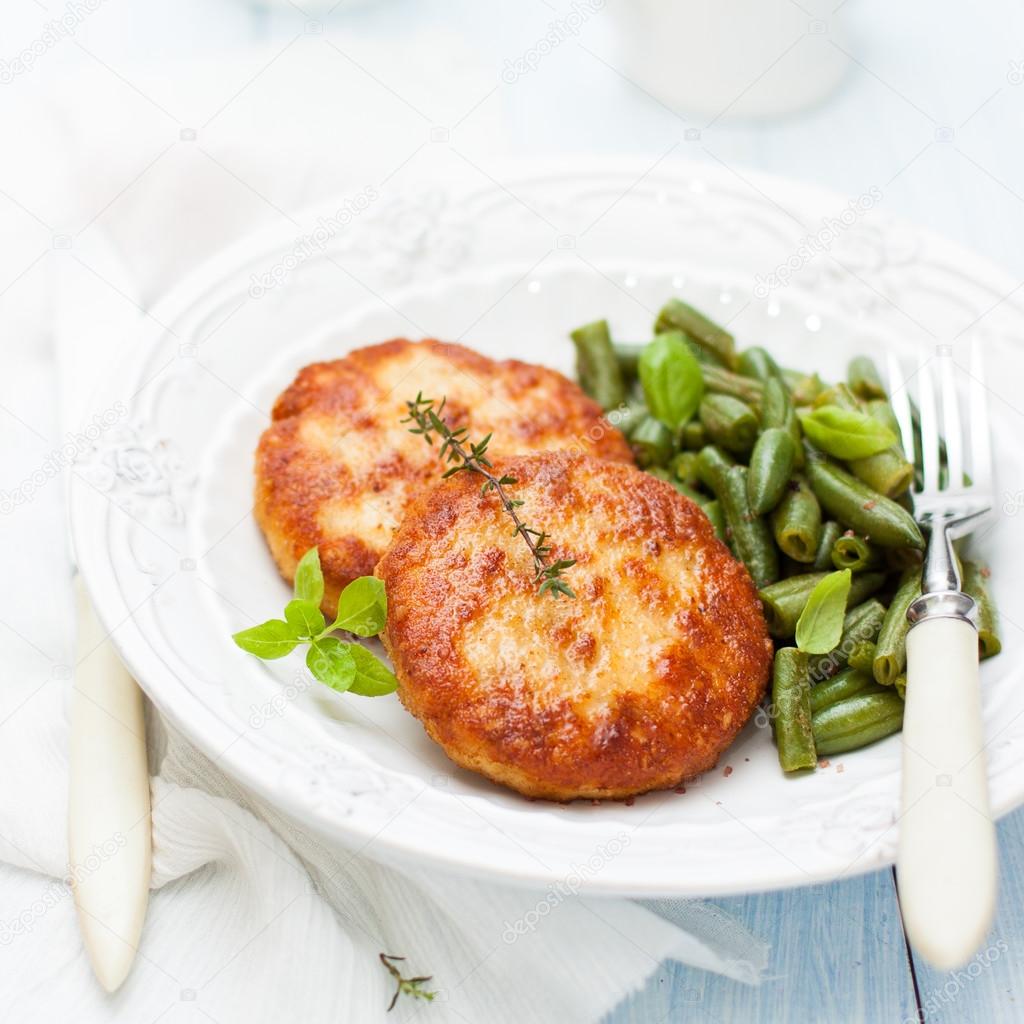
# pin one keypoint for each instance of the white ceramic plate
(166, 540)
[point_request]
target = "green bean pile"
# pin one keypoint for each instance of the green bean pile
(808, 485)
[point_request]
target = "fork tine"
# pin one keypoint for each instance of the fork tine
(981, 443)
(929, 423)
(900, 402)
(951, 421)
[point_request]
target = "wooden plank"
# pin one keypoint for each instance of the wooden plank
(838, 955)
(990, 988)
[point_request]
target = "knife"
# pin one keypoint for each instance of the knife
(109, 824)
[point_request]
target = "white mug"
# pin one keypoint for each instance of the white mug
(731, 58)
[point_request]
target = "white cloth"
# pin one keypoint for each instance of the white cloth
(251, 919)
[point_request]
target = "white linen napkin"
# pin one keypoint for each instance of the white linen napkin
(252, 918)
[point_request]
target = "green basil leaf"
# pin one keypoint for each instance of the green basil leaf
(845, 433)
(309, 577)
(820, 626)
(671, 378)
(331, 661)
(273, 639)
(305, 617)
(362, 607)
(373, 677)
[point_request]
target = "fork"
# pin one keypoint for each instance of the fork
(946, 862)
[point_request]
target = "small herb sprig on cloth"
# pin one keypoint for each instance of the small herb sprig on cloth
(471, 457)
(345, 667)
(405, 986)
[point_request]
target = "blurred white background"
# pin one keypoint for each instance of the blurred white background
(145, 118)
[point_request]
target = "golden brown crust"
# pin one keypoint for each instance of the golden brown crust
(337, 468)
(636, 684)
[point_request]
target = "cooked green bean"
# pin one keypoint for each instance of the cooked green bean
(883, 412)
(805, 390)
(629, 416)
(862, 657)
(628, 358)
(791, 567)
(771, 463)
(845, 684)
(777, 411)
(784, 601)
(837, 394)
(749, 533)
(864, 379)
(985, 610)
(652, 442)
(891, 646)
(676, 315)
(900, 686)
(596, 366)
(888, 472)
(728, 422)
(855, 553)
(712, 465)
(854, 503)
(694, 436)
(723, 382)
(682, 488)
(862, 622)
(796, 522)
(830, 533)
(757, 362)
(856, 722)
(791, 711)
(713, 510)
(901, 559)
(684, 468)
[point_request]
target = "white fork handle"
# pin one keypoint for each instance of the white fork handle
(946, 865)
(109, 831)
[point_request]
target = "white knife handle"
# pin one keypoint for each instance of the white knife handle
(109, 830)
(946, 866)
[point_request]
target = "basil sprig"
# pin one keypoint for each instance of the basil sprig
(845, 433)
(820, 626)
(671, 378)
(343, 666)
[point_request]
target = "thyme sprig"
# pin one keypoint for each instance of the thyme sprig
(405, 986)
(471, 457)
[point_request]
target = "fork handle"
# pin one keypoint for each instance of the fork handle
(946, 864)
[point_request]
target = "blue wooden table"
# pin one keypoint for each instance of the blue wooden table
(839, 955)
